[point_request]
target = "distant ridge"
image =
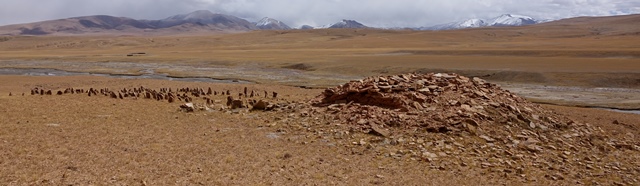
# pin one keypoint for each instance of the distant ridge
(271, 24)
(502, 20)
(345, 23)
(206, 22)
(198, 21)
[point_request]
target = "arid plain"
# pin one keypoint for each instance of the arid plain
(83, 140)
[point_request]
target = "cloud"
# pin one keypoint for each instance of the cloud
(381, 13)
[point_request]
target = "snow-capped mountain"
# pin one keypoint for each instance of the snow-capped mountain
(503, 20)
(511, 20)
(271, 24)
(471, 23)
(348, 24)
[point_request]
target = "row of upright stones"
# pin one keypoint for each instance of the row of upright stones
(244, 99)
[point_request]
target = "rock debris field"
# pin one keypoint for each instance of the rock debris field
(447, 122)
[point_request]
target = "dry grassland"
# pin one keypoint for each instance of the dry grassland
(555, 57)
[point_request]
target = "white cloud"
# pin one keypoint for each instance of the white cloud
(389, 13)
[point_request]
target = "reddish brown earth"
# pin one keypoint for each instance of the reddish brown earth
(77, 139)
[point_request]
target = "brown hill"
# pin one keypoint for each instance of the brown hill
(194, 22)
(594, 26)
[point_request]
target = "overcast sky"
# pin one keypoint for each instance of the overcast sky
(378, 13)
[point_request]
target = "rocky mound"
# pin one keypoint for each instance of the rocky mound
(433, 102)
(454, 122)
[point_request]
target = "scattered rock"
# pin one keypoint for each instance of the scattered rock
(187, 107)
(378, 130)
(487, 139)
(235, 104)
(260, 105)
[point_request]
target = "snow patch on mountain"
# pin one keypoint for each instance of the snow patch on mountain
(511, 20)
(502, 20)
(345, 23)
(197, 16)
(271, 24)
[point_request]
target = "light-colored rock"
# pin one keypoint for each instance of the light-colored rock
(187, 107)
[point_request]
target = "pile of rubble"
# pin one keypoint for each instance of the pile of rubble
(451, 121)
(433, 102)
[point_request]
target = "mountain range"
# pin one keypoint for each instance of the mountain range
(503, 20)
(204, 21)
(271, 24)
(198, 21)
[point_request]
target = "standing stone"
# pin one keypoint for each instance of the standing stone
(229, 100)
(237, 104)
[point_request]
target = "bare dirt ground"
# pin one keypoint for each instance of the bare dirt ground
(81, 140)
(76, 139)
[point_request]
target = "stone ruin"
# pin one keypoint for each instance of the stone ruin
(188, 95)
(433, 102)
(451, 121)
(446, 120)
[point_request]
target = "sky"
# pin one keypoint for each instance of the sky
(376, 13)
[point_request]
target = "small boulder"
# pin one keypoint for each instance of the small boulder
(378, 130)
(260, 105)
(187, 107)
(237, 104)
